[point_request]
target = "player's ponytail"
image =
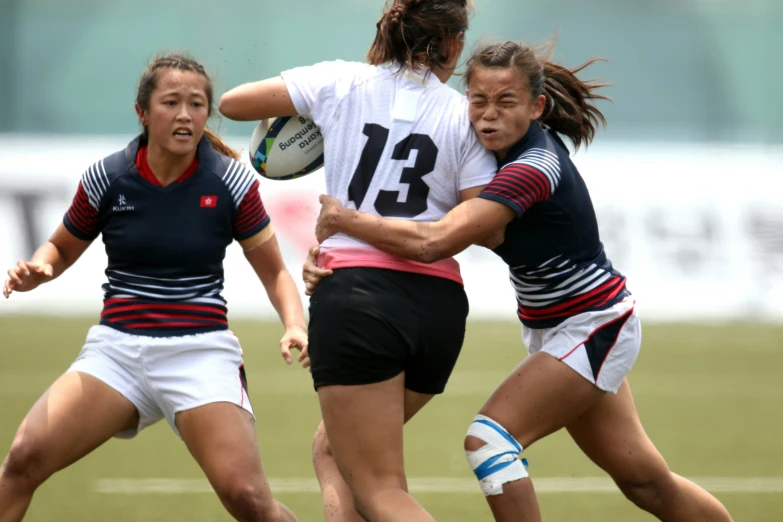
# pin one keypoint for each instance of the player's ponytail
(149, 82)
(219, 145)
(414, 32)
(570, 102)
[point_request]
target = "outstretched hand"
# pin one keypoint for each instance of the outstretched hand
(26, 276)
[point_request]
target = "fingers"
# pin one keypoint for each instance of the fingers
(286, 350)
(323, 198)
(7, 288)
(13, 276)
(304, 354)
(24, 270)
(311, 273)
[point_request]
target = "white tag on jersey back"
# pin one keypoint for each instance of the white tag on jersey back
(407, 97)
(406, 103)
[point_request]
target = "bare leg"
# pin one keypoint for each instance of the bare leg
(336, 495)
(221, 438)
(364, 424)
(611, 434)
(74, 416)
(541, 396)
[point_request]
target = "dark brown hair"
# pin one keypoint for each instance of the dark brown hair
(570, 102)
(418, 31)
(149, 82)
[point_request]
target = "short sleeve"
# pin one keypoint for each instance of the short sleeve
(532, 178)
(316, 90)
(251, 215)
(81, 220)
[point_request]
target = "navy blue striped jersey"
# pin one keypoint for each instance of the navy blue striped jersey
(166, 244)
(557, 263)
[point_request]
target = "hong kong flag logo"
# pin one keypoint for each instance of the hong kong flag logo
(208, 201)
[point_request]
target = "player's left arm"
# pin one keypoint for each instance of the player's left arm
(263, 254)
(471, 222)
(257, 101)
(253, 230)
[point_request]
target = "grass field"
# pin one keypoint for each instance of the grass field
(711, 398)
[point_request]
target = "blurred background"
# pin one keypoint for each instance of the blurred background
(687, 181)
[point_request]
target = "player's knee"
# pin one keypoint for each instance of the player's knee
(473, 443)
(25, 464)
(493, 454)
(649, 493)
(249, 503)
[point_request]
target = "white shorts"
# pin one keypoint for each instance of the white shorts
(163, 376)
(600, 346)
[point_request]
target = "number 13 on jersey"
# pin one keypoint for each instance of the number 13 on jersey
(387, 204)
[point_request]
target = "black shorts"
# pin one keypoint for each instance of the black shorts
(368, 325)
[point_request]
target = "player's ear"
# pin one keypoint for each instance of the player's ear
(140, 113)
(539, 104)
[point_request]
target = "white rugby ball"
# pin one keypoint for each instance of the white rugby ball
(286, 148)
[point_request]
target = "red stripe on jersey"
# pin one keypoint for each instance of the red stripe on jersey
(107, 310)
(542, 182)
(163, 325)
(81, 214)
(520, 184)
(594, 298)
(135, 317)
(575, 300)
(251, 213)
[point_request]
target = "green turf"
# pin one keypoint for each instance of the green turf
(711, 398)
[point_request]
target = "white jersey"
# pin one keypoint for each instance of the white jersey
(397, 143)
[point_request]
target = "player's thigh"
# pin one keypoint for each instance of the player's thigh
(222, 439)
(414, 402)
(571, 366)
(364, 424)
(611, 435)
(74, 416)
(540, 396)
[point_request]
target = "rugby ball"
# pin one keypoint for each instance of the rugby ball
(286, 148)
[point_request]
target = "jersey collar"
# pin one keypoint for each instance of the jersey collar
(207, 157)
(420, 74)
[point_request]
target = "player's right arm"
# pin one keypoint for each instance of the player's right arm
(257, 101)
(50, 260)
(79, 228)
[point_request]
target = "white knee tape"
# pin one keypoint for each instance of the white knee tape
(497, 462)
